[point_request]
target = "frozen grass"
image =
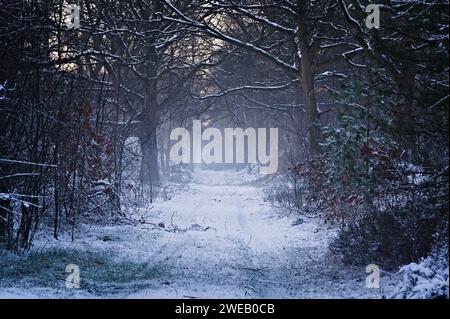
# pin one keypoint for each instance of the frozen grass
(47, 269)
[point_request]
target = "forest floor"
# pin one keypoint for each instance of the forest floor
(216, 238)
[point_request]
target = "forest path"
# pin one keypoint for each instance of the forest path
(231, 243)
(215, 238)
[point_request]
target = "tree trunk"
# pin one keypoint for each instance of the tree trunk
(148, 138)
(6, 223)
(312, 114)
(150, 111)
(149, 148)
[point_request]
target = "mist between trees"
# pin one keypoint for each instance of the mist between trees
(86, 112)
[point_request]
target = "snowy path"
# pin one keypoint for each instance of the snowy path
(219, 240)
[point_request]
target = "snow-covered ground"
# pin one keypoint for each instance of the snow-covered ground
(218, 238)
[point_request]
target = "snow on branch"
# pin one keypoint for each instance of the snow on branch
(248, 87)
(26, 163)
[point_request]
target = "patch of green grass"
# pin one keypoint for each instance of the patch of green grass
(47, 269)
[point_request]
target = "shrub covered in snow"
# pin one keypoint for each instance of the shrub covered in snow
(388, 237)
(425, 280)
(293, 191)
